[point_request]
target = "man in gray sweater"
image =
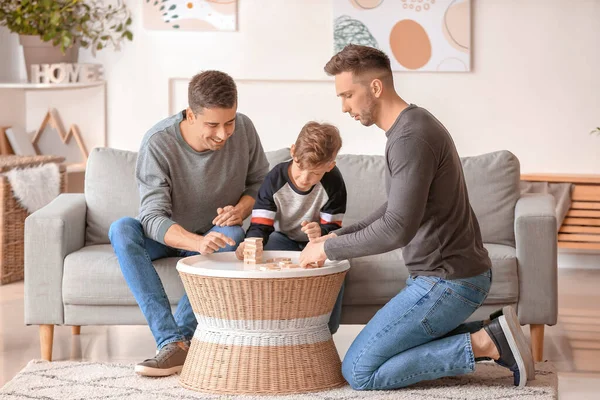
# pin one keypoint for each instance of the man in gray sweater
(419, 335)
(198, 174)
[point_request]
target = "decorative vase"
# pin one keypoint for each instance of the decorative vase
(36, 51)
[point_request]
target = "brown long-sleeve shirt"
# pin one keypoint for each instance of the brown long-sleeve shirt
(428, 213)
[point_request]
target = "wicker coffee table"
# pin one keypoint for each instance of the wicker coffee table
(261, 332)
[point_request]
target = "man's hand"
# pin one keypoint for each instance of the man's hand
(322, 239)
(313, 252)
(312, 230)
(228, 216)
(214, 241)
(239, 252)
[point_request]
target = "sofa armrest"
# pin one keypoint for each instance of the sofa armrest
(536, 242)
(50, 234)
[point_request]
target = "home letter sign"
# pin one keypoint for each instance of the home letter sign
(65, 73)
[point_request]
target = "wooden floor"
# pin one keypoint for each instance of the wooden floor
(573, 344)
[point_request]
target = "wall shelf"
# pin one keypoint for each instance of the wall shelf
(24, 106)
(52, 86)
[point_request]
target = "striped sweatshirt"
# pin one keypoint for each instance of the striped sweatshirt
(280, 206)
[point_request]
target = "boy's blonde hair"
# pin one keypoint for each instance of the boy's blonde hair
(317, 144)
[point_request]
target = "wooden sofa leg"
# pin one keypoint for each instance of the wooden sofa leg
(537, 341)
(76, 329)
(46, 339)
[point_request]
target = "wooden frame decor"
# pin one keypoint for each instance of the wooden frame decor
(5, 147)
(16, 142)
(51, 119)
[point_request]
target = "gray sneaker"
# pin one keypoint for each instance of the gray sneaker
(168, 361)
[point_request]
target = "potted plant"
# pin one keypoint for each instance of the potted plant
(52, 31)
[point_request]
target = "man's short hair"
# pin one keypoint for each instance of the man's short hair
(317, 144)
(359, 60)
(211, 89)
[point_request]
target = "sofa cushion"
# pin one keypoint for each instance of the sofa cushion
(111, 191)
(92, 276)
(278, 156)
(365, 184)
(493, 184)
(375, 280)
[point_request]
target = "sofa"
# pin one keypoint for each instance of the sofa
(72, 276)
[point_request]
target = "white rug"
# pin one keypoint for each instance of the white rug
(92, 380)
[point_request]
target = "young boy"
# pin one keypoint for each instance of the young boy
(302, 199)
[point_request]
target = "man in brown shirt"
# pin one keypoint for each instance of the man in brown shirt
(419, 335)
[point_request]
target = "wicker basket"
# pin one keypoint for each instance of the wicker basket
(12, 215)
(262, 335)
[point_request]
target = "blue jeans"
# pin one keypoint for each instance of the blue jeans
(418, 335)
(135, 253)
(279, 241)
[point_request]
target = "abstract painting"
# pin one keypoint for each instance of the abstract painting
(190, 15)
(417, 35)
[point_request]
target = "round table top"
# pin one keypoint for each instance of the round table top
(226, 265)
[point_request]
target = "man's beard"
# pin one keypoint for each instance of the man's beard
(369, 114)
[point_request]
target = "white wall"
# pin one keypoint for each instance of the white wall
(534, 89)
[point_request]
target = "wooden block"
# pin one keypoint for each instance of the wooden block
(312, 265)
(269, 267)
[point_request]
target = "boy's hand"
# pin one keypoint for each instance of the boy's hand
(324, 238)
(213, 241)
(239, 252)
(228, 216)
(312, 230)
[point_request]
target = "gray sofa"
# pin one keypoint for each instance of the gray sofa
(72, 276)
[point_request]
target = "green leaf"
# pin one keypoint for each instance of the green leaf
(128, 35)
(55, 18)
(172, 7)
(176, 26)
(175, 16)
(99, 46)
(66, 42)
(105, 37)
(128, 22)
